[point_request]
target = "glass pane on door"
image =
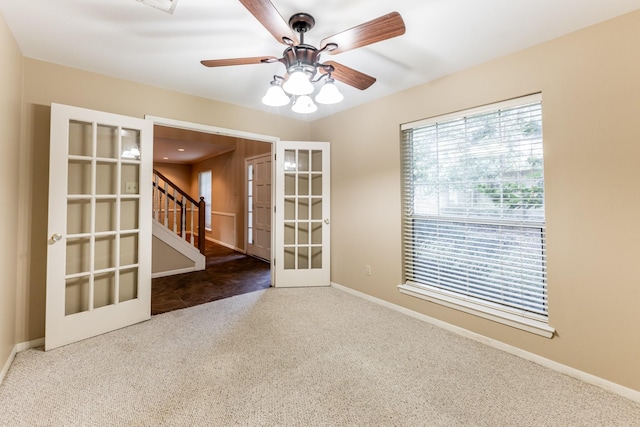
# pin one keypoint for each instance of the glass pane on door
(303, 205)
(102, 216)
(303, 209)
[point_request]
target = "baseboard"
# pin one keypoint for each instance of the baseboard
(17, 349)
(29, 344)
(226, 245)
(174, 272)
(610, 386)
(7, 364)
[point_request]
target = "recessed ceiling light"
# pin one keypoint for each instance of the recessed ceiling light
(165, 5)
(180, 149)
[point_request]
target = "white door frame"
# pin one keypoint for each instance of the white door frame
(215, 130)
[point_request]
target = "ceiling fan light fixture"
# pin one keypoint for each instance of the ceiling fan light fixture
(302, 61)
(329, 93)
(298, 83)
(275, 96)
(304, 105)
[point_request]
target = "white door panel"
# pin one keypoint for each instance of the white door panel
(259, 208)
(99, 252)
(302, 221)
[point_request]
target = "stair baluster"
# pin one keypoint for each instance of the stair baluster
(170, 200)
(191, 237)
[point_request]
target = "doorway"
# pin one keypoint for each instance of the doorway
(301, 197)
(218, 157)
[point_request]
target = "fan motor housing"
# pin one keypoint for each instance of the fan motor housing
(302, 56)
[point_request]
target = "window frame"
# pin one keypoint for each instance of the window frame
(521, 319)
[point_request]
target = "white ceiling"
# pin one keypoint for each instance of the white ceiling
(130, 40)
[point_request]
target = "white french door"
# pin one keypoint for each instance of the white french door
(258, 173)
(99, 252)
(302, 242)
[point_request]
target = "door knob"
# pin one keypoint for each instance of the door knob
(55, 238)
(326, 221)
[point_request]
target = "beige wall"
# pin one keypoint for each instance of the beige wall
(590, 81)
(10, 117)
(45, 83)
(166, 258)
(228, 190)
(179, 174)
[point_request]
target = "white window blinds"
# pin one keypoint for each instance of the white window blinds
(473, 205)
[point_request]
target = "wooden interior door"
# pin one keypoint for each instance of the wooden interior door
(99, 253)
(259, 206)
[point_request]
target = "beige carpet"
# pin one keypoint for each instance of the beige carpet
(294, 357)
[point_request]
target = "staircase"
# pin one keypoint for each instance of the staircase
(178, 229)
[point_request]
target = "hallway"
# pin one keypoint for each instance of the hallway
(227, 273)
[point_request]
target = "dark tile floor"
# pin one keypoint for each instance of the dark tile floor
(227, 273)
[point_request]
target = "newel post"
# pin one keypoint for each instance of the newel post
(201, 230)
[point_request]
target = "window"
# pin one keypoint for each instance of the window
(204, 190)
(473, 212)
(250, 204)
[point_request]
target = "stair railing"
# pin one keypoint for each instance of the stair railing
(178, 211)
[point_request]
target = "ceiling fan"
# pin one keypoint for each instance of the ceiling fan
(302, 61)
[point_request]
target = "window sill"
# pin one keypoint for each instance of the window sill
(480, 309)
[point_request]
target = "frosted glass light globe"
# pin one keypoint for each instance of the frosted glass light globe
(304, 105)
(329, 94)
(275, 97)
(298, 84)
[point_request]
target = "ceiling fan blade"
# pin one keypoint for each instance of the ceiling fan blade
(238, 61)
(349, 76)
(270, 18)
(376, 30)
